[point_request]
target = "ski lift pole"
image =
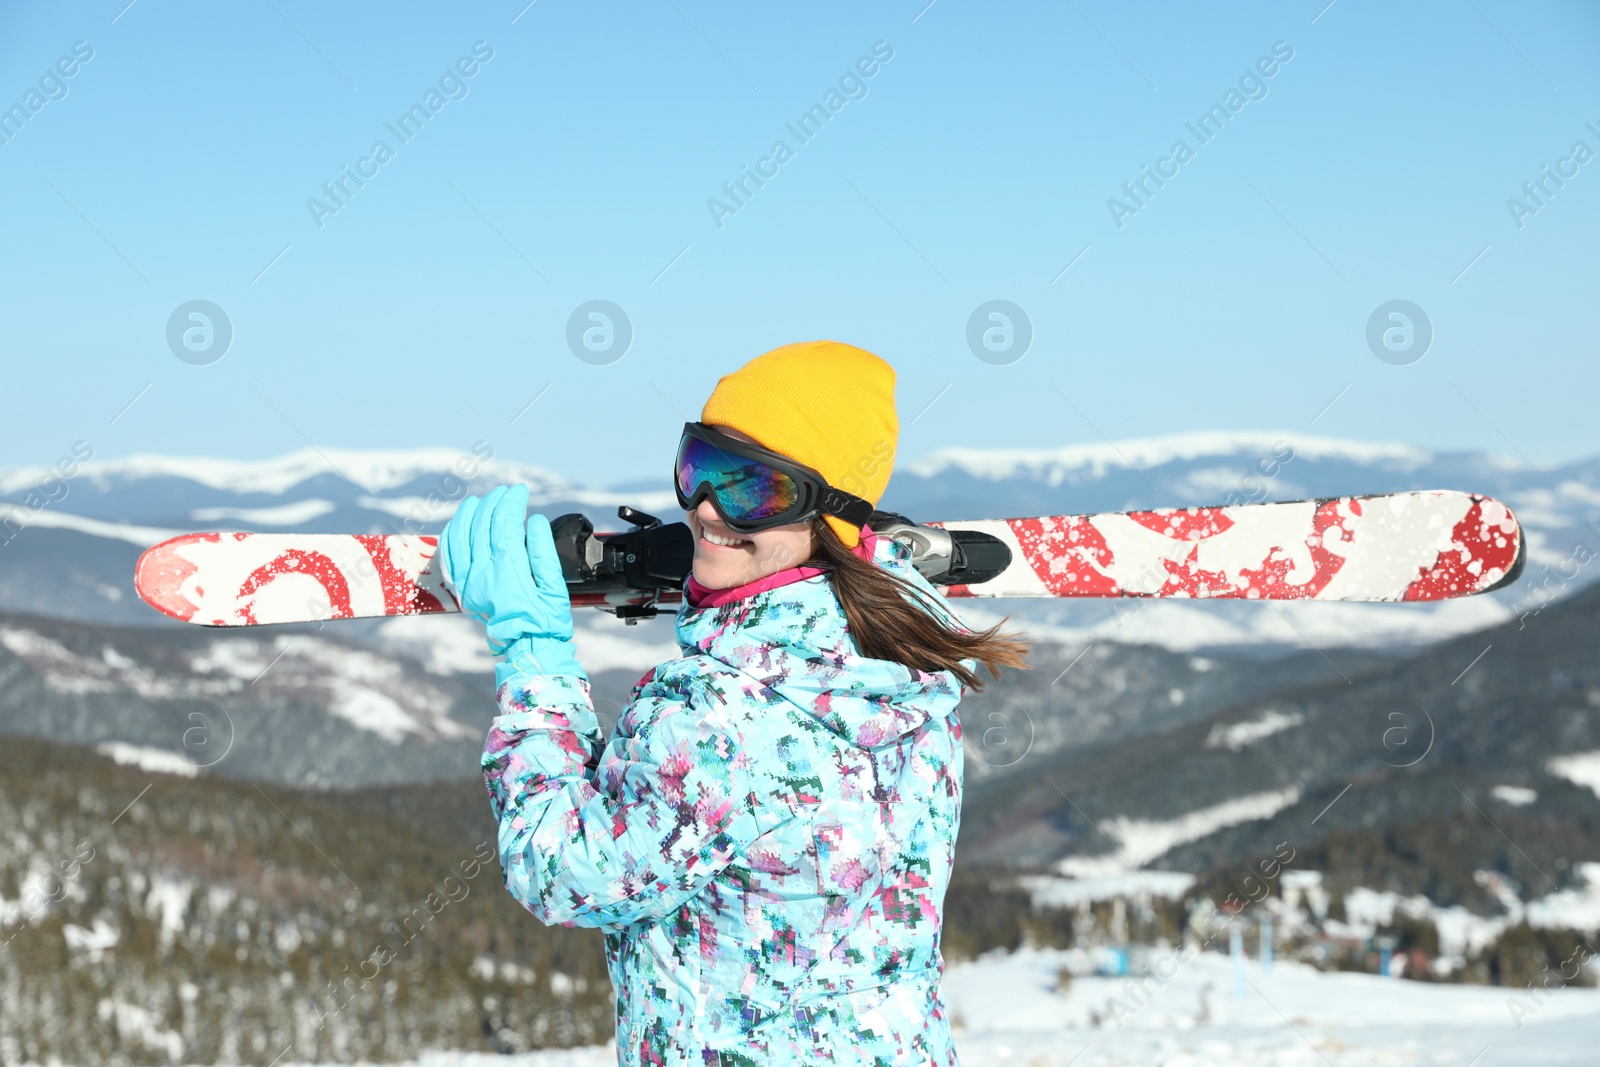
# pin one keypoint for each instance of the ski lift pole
(1385, 956)
(1236, 950)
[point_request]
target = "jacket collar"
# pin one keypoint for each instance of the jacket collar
(793, 640)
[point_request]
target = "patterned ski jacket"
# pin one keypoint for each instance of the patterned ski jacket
(765, 840)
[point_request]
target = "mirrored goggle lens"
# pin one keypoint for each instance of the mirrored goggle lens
(746, 490)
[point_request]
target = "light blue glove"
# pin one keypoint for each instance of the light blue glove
(509, 576)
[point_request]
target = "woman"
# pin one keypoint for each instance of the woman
(767, 836)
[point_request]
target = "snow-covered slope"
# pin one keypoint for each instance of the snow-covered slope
(1010, 1009)
(1476, 754)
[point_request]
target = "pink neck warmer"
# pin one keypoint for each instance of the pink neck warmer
(701, 597)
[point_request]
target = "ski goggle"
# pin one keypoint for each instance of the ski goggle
(754, 488)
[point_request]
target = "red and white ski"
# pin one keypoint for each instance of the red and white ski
(1413, 546)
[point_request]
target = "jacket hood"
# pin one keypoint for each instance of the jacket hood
(793, 640)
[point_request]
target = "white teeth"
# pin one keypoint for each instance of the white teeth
(726, 542)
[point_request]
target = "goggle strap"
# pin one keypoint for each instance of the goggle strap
(850, 508)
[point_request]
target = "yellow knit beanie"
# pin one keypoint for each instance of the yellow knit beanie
(823, 404)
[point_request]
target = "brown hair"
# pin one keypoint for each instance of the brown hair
(890, 619)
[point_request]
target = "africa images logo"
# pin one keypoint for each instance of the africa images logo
(452, 85)
(52, 87)
(852, 85)
(1252, 85)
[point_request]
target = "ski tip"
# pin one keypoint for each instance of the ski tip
(1484, 551)
(1514, 571)
(162, 577)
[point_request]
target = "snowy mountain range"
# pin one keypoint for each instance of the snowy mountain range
(69, 544)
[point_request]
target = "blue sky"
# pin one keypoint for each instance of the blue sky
(975, 164)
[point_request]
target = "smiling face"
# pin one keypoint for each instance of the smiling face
(724, 559)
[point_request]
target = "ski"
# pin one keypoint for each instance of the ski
(1413, 546)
